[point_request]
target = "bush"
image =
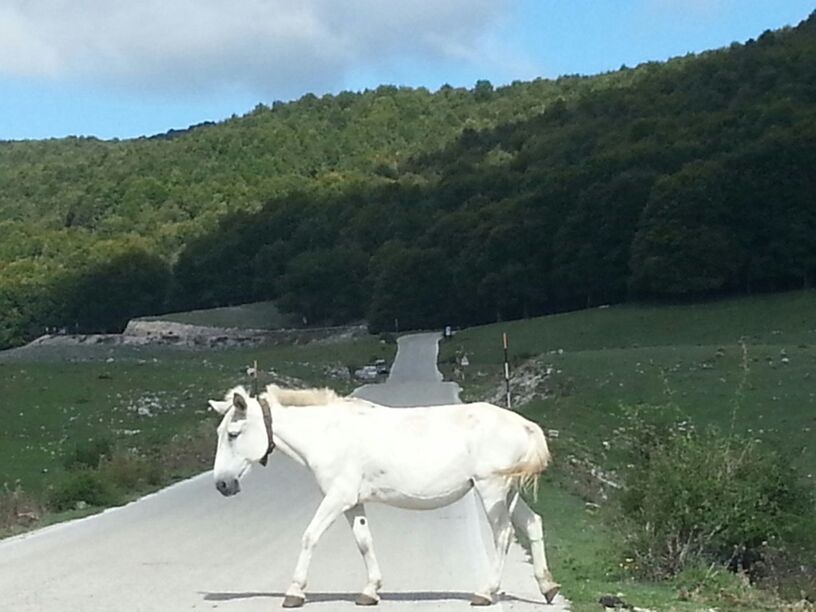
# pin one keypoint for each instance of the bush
(128, 472)
(88, 486)
(88, 454)
(186, 454)
(18, 508)
(387, 338)
(790, 572)
(704, 584)
(702, 497)
(101, 475)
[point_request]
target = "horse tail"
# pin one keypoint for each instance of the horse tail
(524, 474)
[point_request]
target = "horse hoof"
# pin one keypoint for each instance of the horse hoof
(550, 593)
(293, 601)
(366, 600)
(480, 600)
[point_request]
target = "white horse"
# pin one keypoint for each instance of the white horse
(415, 458)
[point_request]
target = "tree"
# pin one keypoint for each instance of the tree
(686, 243)
(409, 285)
(113, 289)
(326, 285)
(483, 90)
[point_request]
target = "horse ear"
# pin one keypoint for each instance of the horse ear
(239, 402)
(219, 407)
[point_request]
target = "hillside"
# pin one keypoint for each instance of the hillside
(681, 179)
(693, 181)
(742, 363)
(75, 210)
(162, 186)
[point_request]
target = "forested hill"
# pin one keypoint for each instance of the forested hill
(165, 183)
(679, 179)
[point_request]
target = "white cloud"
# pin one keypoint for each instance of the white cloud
(275, 47)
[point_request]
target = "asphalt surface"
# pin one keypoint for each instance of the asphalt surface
(187, 547)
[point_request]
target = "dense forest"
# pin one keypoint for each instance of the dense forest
(672, 180)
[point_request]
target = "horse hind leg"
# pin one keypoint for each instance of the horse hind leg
(528, 522)
(493, 493)
(358, 521)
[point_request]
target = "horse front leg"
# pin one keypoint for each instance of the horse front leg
(329, 509)
(358, 521)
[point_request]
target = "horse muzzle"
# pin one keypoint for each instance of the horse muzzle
(228, 488)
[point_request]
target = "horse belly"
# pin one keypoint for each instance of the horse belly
(428, 498)
(420, 485)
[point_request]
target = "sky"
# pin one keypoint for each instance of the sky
(123, 69)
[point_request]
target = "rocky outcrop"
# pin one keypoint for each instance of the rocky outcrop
(170, 333)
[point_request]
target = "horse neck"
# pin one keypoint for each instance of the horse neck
(294, 429)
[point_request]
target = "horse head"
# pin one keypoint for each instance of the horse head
(244, 438)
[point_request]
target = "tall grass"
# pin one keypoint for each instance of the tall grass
(715, 498)
(695, 497)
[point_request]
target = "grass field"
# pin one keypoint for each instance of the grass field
(54, 398)
(747, 362)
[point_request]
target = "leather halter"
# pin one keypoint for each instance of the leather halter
(267, 417)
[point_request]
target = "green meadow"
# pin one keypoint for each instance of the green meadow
(747, 364)
(258, 315)
(57, 398)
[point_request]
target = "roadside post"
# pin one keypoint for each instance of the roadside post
(464, 363)
(255, 378)
(506, 369)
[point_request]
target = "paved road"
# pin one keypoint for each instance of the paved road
(187, 547)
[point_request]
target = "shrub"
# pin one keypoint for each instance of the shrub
(701, 497)
(88, 454)
(706, 583)
(789, 571)
(128, 472)
(88, 486)
(388, 338)
(186, 454)
(18, 508)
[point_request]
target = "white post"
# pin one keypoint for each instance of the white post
(506, 370)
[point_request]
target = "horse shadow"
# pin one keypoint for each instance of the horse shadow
(402, 596)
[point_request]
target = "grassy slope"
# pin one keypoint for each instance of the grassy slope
(260, 315)
(687, 356)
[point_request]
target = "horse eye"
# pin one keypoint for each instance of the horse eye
(233, 434)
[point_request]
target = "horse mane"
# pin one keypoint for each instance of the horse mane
(302, 397)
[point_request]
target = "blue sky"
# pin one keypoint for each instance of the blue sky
(115, 68)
